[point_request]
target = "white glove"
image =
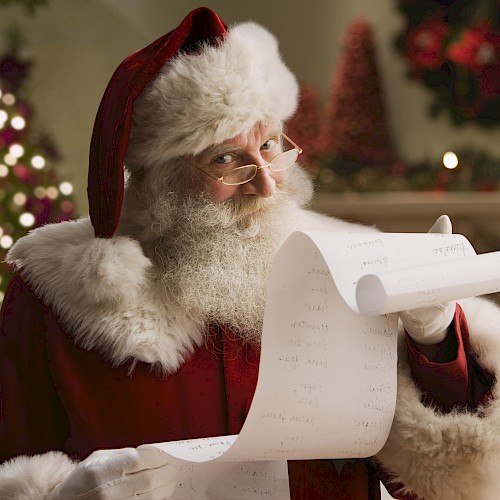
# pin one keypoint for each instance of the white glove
(429, 325)
(123, 474)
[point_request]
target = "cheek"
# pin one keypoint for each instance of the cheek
(280, 176)
(216, 191)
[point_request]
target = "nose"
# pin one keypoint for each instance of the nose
(263, 184)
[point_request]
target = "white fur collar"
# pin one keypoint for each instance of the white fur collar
(101, 291)
(99, 288)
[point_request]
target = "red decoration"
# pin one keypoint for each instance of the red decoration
(25, 175)
(478, 50)
(305, 126)
(424, 45)
(356, 127)
(453, 47)
(7, 137)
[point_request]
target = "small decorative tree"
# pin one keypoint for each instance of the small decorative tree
(305, 127)
(356, 127)
(31, 194)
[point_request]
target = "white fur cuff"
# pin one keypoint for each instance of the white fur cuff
(454, 455)
(33, 477)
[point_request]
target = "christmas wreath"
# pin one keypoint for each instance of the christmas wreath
(453, 47)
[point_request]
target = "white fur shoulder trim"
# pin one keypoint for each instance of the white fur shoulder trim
(94, 269)
(101, 292)
(455, 455)
(33, 477)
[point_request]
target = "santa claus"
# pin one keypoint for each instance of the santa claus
(142, 323)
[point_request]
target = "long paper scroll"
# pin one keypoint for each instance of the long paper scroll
(327, 377)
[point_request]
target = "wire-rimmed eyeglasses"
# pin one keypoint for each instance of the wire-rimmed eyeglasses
(242, 175)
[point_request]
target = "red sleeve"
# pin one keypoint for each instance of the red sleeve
(457, 383)
(29, 405)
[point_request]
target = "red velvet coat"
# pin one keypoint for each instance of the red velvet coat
(57, 396)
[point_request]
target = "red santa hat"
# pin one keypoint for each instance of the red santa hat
(210, 84)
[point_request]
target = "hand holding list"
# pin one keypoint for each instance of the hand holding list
(327, 378)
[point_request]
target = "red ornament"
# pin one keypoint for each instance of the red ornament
(26, 175)
(424, 45)
(67, 206)
(7, 137)
(476, 49)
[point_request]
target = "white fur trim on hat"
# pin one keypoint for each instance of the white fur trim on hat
(204, 98)
(33, 477)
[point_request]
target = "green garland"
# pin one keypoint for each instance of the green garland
(476, 171)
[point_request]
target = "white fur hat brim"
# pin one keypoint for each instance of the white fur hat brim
(204, 98)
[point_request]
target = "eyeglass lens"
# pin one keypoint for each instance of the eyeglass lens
(244, 174)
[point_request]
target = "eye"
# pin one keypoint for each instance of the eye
(269, 145)
(223, 159)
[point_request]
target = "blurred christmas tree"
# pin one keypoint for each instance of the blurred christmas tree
(349, 147)
(305, 127)
(356, 129)
(31, 194)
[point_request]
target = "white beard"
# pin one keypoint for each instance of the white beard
(214, 259)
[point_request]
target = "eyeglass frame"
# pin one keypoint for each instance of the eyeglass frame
(257, 167)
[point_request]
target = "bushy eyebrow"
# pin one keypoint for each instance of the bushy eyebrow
(219, 150)
(222, 149)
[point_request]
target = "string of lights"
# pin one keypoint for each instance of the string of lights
(31, 193)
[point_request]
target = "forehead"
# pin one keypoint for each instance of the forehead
(254, 138)
(262, 130)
